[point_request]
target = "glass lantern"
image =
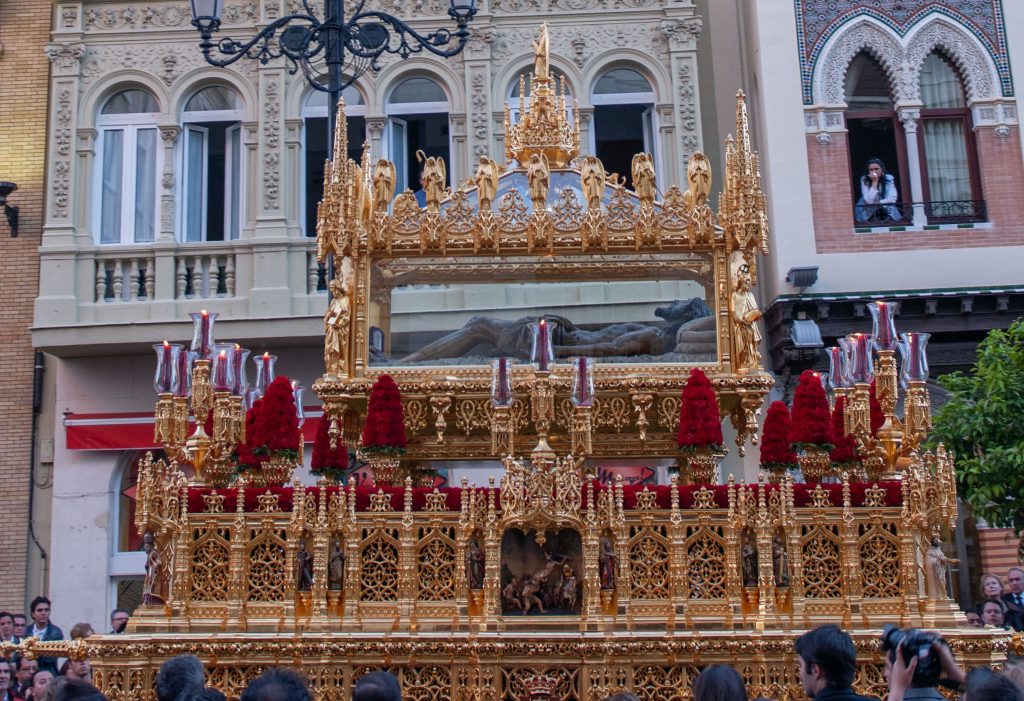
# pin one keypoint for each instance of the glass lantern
(883, 326)
(583, 382)
(241, 386)
(165, 380)
(861, 369)
(264, 372)
(913, 351)
(202, 333)
(222, 372)
(838, 375)
(541, 352)
(501, 382)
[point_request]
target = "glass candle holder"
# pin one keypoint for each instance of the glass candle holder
(883, 327)
(501, 382)
(838, 376)
(264, 372)
(166, 377)
(913, 352)
(860, 366)
(541, 352)
(202, 333)
(222, 372)
(583, 382)
(241, 386)
(185, 360)
(297, 391)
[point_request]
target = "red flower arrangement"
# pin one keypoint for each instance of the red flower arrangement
(384, 430)
(328, 461)
(845, 452)
(811, 425)
(274, 430)
(700, 422)
(776, 453)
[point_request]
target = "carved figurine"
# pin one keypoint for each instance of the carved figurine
(538, 175)
(383, 184)
(569, 594)
(644, 178)
(304, 567)
(336, 568)
(154, 586)
(510, 595)
(593, 177)
(606, 564)
(337, 317)
(541, 49)
(432, 179)
(745, 316)
(936, 565)
(698, 177)
(474, 565)
(780, 561)
(529, 595)
(486, 179)
(749, 553)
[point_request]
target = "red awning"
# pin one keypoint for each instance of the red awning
(134, 431)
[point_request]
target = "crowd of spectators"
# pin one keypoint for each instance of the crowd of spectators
(917, 664)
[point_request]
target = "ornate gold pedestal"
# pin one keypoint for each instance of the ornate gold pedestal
(385, 469)
(699, 467)
(815, 464)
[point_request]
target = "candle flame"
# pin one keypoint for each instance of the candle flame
(166, 343)
(266, 355)
(223, 354)
(205, 313)
(543, 322)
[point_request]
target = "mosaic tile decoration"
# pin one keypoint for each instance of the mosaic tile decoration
(818, 20)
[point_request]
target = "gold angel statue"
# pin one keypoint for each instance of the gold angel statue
(593, 176)
(698, 178)
(383, 184)
(486, 179)
(432, 178)
(644, 178)
(538, 175)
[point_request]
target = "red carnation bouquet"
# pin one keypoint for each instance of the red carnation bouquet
(845, 452)
(776, 453)
(384, 430)
(275, 425)
(811, 425)
(700, 422)
(327, 461)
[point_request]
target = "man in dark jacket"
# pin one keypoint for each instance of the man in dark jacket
(1015, 598)
(828, 663)
(42, 629)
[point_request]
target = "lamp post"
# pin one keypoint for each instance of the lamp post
(311, 44)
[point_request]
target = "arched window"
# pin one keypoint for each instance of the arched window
(417, 111)
(314, 117)
(126, 200)
(623, 103)
(950, 177)
(212, 165)
(874, 131)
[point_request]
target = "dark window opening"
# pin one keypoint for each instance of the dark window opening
(618, 136)
(427, 133)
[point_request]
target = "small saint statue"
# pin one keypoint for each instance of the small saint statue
(936, 564)
(336, 568)
(780, 561)
(154, 586)
(474, 565)
(304, 567)
(541, 51)
(749, 562)
(606, 564)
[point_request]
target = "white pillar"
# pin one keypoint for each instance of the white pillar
(910, 116)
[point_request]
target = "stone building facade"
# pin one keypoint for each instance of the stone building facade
(174, 186)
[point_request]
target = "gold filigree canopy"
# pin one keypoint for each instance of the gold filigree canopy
(543, 127)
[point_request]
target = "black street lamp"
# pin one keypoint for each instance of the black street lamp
(309, 43)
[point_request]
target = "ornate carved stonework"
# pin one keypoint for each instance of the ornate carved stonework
(160, 17)
(271, 140)
(62, 146)
(901, 60)
(66, 58)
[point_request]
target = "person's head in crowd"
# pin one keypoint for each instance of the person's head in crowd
(277, 684)
(40, 611)
(1015, 673)
(20, 622)
(118, 620)
(1015, 577)
(6, 625)
(179, 675)
(993, 612)
(974, 619)
(54, 687)
(75, 690)
(828, 659)
(874, 172)
(5, 678)
(77, 669)
(377, 686)
(985, 685)
(622, 696)
(205, 694)
(991, 586)
(719, 682)
(26, 669)
(81, 630)
(40, 680)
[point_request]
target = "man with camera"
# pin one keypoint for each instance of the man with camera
(916, 662)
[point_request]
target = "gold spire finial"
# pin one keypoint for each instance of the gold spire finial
(543, 128)
(742, 210)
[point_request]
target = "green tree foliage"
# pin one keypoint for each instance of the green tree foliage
(983, 423)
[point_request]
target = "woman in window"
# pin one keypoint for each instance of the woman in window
(878, 194)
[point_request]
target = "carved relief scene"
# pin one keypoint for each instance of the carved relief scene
(543, 577)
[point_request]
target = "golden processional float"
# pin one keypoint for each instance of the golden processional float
(543, 583)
